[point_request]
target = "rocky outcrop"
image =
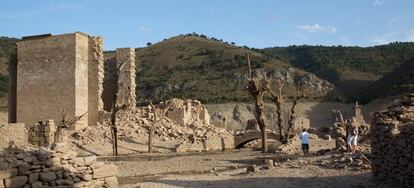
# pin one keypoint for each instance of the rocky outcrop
(292, 76)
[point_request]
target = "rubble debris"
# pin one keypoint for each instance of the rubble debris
(252, 169)
(345, 161)
(135, 123)
(392, 142)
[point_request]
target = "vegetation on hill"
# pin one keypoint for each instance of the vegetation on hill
(210, 69)
(351, 69)
(7, 52)
(189, 66)
(399, 81)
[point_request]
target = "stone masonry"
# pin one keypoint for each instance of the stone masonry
(60, 167)
(125, 58)
(13, 134)
(392, 142)
(58, 73)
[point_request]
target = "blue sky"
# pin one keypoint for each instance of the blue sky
(255, 23)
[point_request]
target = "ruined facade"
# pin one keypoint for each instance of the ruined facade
(56, 74)
(187, 111)
(125, 58)
(392, 143)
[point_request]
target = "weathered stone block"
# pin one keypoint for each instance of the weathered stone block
(15, 182)
(4, 174)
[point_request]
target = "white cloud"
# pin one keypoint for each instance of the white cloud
(378, 3)
(317, 28)
(393, 37)
(144, 29)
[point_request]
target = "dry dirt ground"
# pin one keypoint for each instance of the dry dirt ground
(228, 169)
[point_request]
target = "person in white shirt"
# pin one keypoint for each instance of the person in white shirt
(304, 137)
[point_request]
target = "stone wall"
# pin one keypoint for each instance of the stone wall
(95, 78)
(42, 133)
(392, 143)
(110, 81)
(13, 134)
(60, 167)
(58, 73)
(125, 58)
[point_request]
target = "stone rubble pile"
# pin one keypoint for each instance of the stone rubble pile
(392, 142)
(134, 124)
(61, 167)
(345, 161)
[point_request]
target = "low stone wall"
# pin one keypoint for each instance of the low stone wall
(54, 168)
(13, 134)
(392, 140)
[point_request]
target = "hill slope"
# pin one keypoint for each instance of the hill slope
(399, 81)
(351, 69)
(210, 71)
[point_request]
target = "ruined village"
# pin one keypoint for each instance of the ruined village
(196, 111)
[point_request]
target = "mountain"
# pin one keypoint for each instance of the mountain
(399, 81)
(197, 67)
(350, 69)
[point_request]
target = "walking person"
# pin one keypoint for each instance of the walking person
(352, 139)
(304, 137)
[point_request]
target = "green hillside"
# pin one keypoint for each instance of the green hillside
(7, 52)
(196, 67)
(351, 69)
(399, 81)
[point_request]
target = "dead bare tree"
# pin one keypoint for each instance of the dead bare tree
(158, 116)
(279, 101)
(114, 111)
(65, 124)
(292, 117)
(258, 88)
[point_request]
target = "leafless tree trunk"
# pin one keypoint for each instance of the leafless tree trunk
(114, 112)
(158, 116)
(258, 88)
(293, 114)
(279, 101)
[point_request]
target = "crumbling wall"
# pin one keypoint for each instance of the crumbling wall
(187, 111)
(392, 143)
(61, 167)
(125, 58)
(13, 134)
(52, 75)
(95, 78)
(42, 133)
(301, 123)
(110, 81)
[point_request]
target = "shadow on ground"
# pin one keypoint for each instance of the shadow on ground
(355, 181)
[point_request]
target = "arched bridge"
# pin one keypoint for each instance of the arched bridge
(244, 137)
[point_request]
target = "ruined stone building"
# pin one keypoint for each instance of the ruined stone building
(187, 111)
(56, 73)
